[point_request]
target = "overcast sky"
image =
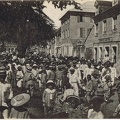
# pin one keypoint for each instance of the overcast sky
(55, 14)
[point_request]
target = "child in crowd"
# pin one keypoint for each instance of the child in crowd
(107, 87)
(69, 91)
(49, 97)
(89, 87)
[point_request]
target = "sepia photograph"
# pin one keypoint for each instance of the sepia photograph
(59, 59)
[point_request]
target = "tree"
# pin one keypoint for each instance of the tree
(24, 22)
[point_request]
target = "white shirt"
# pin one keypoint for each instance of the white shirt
(95, 115)
(5, 88)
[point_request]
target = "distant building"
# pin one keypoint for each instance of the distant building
(9, 46)
(107, 30)
(75, 28)
(58, 42)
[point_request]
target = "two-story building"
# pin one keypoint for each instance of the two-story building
(107, 30)
(75, 27)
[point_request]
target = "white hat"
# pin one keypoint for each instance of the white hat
(34, 65)
(20, 99)
(50, 82)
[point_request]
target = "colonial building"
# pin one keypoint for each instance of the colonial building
(75, 28)
(107, 30)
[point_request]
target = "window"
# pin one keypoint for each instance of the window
(68, 33)
(96, 29)
(104, 26)
(63, 34)
(82, 32)
(80, 18)
(89, 30)
(114, 23)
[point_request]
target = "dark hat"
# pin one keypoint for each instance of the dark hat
(95, 64)
(70, 97)
(95, 72)
(108, 77)
(96, 100)
(100, 91)
(72, 69)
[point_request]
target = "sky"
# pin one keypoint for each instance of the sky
(56, 14)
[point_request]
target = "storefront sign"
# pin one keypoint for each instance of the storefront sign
(106, 39)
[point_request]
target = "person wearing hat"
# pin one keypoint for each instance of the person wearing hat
(6, 93)
(108, 107)
(95, 111)
(52, 74)
(18, 110)
(105, 71)
(116, 113)
(28, 77)
(59, 77)
(19, 76)
(107, 87)
(42, 76)
(36, 74)
(89, 87)
(49, 97)
(74, 81)
(73, 108)
(95, 82)
(69, 91)
(88, 71)
(8, 75)
(113, 73)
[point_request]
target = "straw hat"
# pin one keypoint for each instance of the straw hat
(20, 100)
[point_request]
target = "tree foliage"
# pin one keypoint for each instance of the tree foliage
(24, 22)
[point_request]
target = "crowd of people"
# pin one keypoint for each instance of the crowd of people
(70, 87)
